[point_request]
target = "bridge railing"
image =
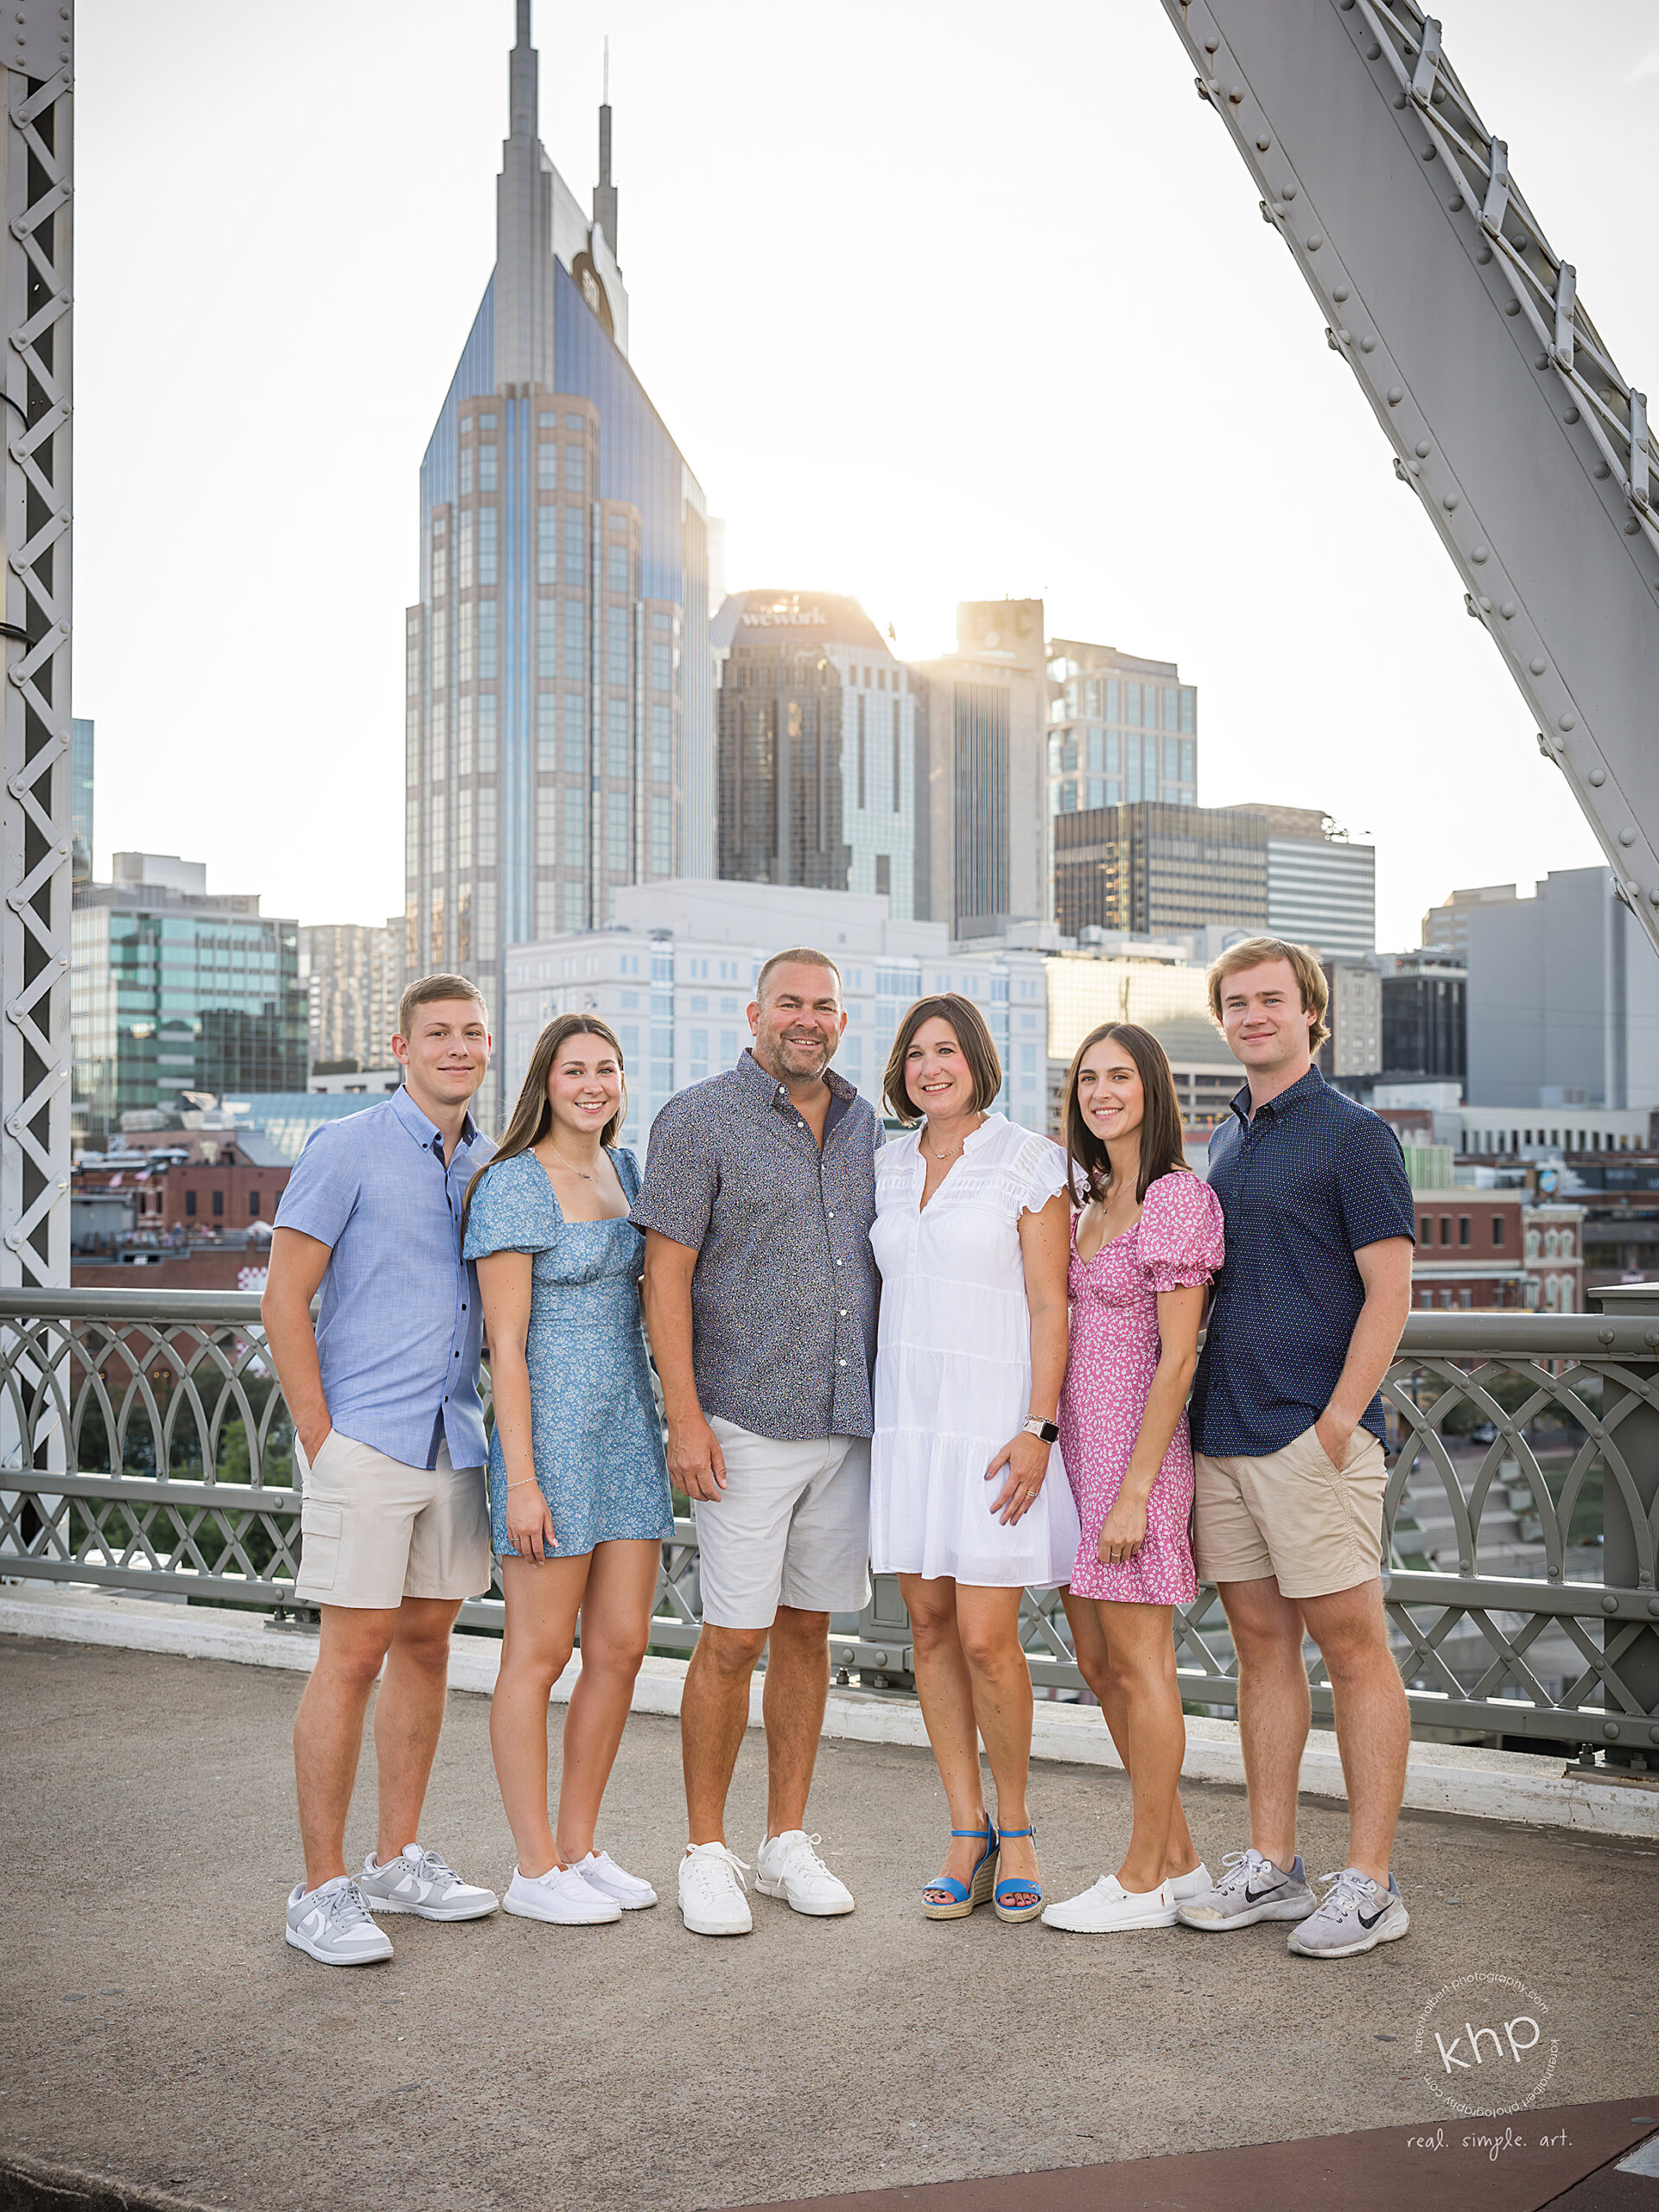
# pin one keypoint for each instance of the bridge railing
(145, 1447)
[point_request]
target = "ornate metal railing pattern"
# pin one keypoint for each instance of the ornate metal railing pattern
(166, 1408)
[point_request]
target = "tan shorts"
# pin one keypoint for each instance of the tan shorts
(1293, 1516)
(790, 1527)
(374, 1532)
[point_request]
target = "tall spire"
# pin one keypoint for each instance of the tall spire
(605, 191)
(524, 230)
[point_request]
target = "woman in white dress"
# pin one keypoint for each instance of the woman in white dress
(969, 1503)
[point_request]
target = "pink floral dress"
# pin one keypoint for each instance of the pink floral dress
(1176, 1244)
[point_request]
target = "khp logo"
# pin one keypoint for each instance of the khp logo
(1485, 2043)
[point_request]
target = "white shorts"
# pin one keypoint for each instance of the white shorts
(374, 1532)
(790, 1527)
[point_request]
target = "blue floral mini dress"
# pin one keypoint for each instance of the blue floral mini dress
(593, 1429)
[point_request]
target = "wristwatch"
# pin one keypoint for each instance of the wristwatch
(1047, 1430)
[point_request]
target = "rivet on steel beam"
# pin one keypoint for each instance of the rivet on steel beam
(1262, 146)
(1340, 294)
(1236, 95)
(1399, 99)
(1367, 344)
(1566, 722)
(1422, 448)
(1610, 1604)
(1346, 337)
(1484, 605)
(1479, 555)
(1597, 778)
(1541, 360)
(1627, 836)
(1632, 529)
(1537, 665)
(1511, 306)
(1429, 153)
(1393, 395)
(1211, 44)
(1373, 52)
(1509, 610)
(1601, 472)
(1450, 502)
(1287, 192)
(1315, 241)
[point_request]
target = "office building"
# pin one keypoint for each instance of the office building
(176, 992)
(82, 762)
(1119, 730)
(1354, 1017)
(1446, 927)
(1155, 986)
(352, 974)
(1425, 1017)
(1321, 885)
(817, 748)
(1477, 1249)
(1154, 870)
(675, 971)
(1563, 999)
(982, 853)
(560, 732)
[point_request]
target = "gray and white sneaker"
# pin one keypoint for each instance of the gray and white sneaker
(331, 1924)
(1355, 1914)
(419, 1881)
(1252, 1889)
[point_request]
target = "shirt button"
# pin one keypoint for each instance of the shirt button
(844, 1313)
(841, 1362)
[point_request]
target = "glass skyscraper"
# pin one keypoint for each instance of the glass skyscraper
(560, 727)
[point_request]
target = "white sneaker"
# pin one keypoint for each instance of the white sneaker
(419, 1881)
(788, 1866)
(1109, 1906)
(712, 1892)
(602, 1874)
(561, 1895)
(332, 1923)
(1197, 1883)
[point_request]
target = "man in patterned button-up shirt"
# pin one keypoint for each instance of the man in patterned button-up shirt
(760, 1299)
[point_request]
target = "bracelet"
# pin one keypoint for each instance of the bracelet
(523, 1485)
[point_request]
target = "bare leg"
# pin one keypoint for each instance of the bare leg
(543, 1597)
(408, 1715)
(328, 1731)
(792, 1705)
(1089, 1645)
(615, 1629)
(714, 1713)
(987, 1622)
(1274, 1709)
(1372, 1715)
(945, 1691)
(1140, 1653)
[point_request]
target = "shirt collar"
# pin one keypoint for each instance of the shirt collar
(768, 1088)
(1307, 1086)
(425, 1131)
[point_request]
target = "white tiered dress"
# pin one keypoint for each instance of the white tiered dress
(953, 1365)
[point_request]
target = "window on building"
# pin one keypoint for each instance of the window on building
(219, 1206)
(486, 611)
(486, 466)
(486, 543)
(1497, 1232)
(547, 543)
(465, 470)
(619, 643)
(576, 641)
(662, 835)
(547, 636)
(618, 764)
(662, 665)
(547, 466)
(1463, 1229)
(617, 568)
(1189, 710)
(190, 1205)
(576, 547)
(575, 734)
(662, 745)
(616, 818)
(1465, 1298)
(883, 875)
(575, 470)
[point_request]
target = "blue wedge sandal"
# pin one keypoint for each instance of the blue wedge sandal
(975, 1890)
(1017, 1885)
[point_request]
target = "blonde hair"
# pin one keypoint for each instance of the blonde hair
(1303, 964)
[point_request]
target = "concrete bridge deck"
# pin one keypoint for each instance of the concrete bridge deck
(154, 2027)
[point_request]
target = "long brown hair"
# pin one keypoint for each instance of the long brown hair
(1088, 1165)
(962, 1016)
(532, 1116)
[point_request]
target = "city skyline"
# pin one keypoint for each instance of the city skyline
(1295, 585)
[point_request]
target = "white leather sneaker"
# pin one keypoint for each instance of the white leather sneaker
(561, 1895)
(788, 1866)
(332, 1923)
(602, 1874)
(712, 1892)
(1197, 1883)
(420, 1882)
(1108, 1907)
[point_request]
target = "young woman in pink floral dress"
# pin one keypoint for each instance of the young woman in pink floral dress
(1144, 1247)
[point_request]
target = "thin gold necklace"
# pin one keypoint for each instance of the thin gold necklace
(584, 1173)
(938, 1154)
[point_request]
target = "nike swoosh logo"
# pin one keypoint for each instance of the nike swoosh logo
(1254, 1896)
(1376, 1916)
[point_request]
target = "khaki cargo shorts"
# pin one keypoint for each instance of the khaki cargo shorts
(374, 1532)
(1314, 1529)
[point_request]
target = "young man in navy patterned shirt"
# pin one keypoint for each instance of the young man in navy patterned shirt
(1287, 1429)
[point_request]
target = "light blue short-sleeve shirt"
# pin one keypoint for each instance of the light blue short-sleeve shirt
(398, 1327)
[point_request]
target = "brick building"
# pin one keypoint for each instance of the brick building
(172, 1191)
(1481, 1249)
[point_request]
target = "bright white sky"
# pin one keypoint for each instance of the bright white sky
(941, 302)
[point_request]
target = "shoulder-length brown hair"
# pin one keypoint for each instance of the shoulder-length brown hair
(977, 1049)
(1087, 1162)
(532, 1116)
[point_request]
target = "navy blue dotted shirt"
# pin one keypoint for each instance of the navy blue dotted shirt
(1303, 1186)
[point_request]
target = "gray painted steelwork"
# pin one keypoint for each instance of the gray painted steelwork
(36, 800)
(1508, 417)
(164, 1405)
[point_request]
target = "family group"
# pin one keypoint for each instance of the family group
(964, 1355)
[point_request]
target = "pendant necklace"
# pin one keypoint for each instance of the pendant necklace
(584, 1173)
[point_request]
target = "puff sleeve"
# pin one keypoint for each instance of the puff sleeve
(1181, 1240)
(1039, 1172)
(509, 1212)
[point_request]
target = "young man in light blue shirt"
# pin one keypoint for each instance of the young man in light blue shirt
(389, 1435)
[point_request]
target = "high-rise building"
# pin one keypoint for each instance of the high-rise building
(816, 747)
(1153, 869)
(1354, 1017)
(1425, 1017)
(1563, 998)
(1121, 729)
(677, 969)
(1446, 927)
(175, 992)
(560, 730)
(82, 760)
(352, 974)
(1321, 885)
(981, 806)
(1157, 988)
